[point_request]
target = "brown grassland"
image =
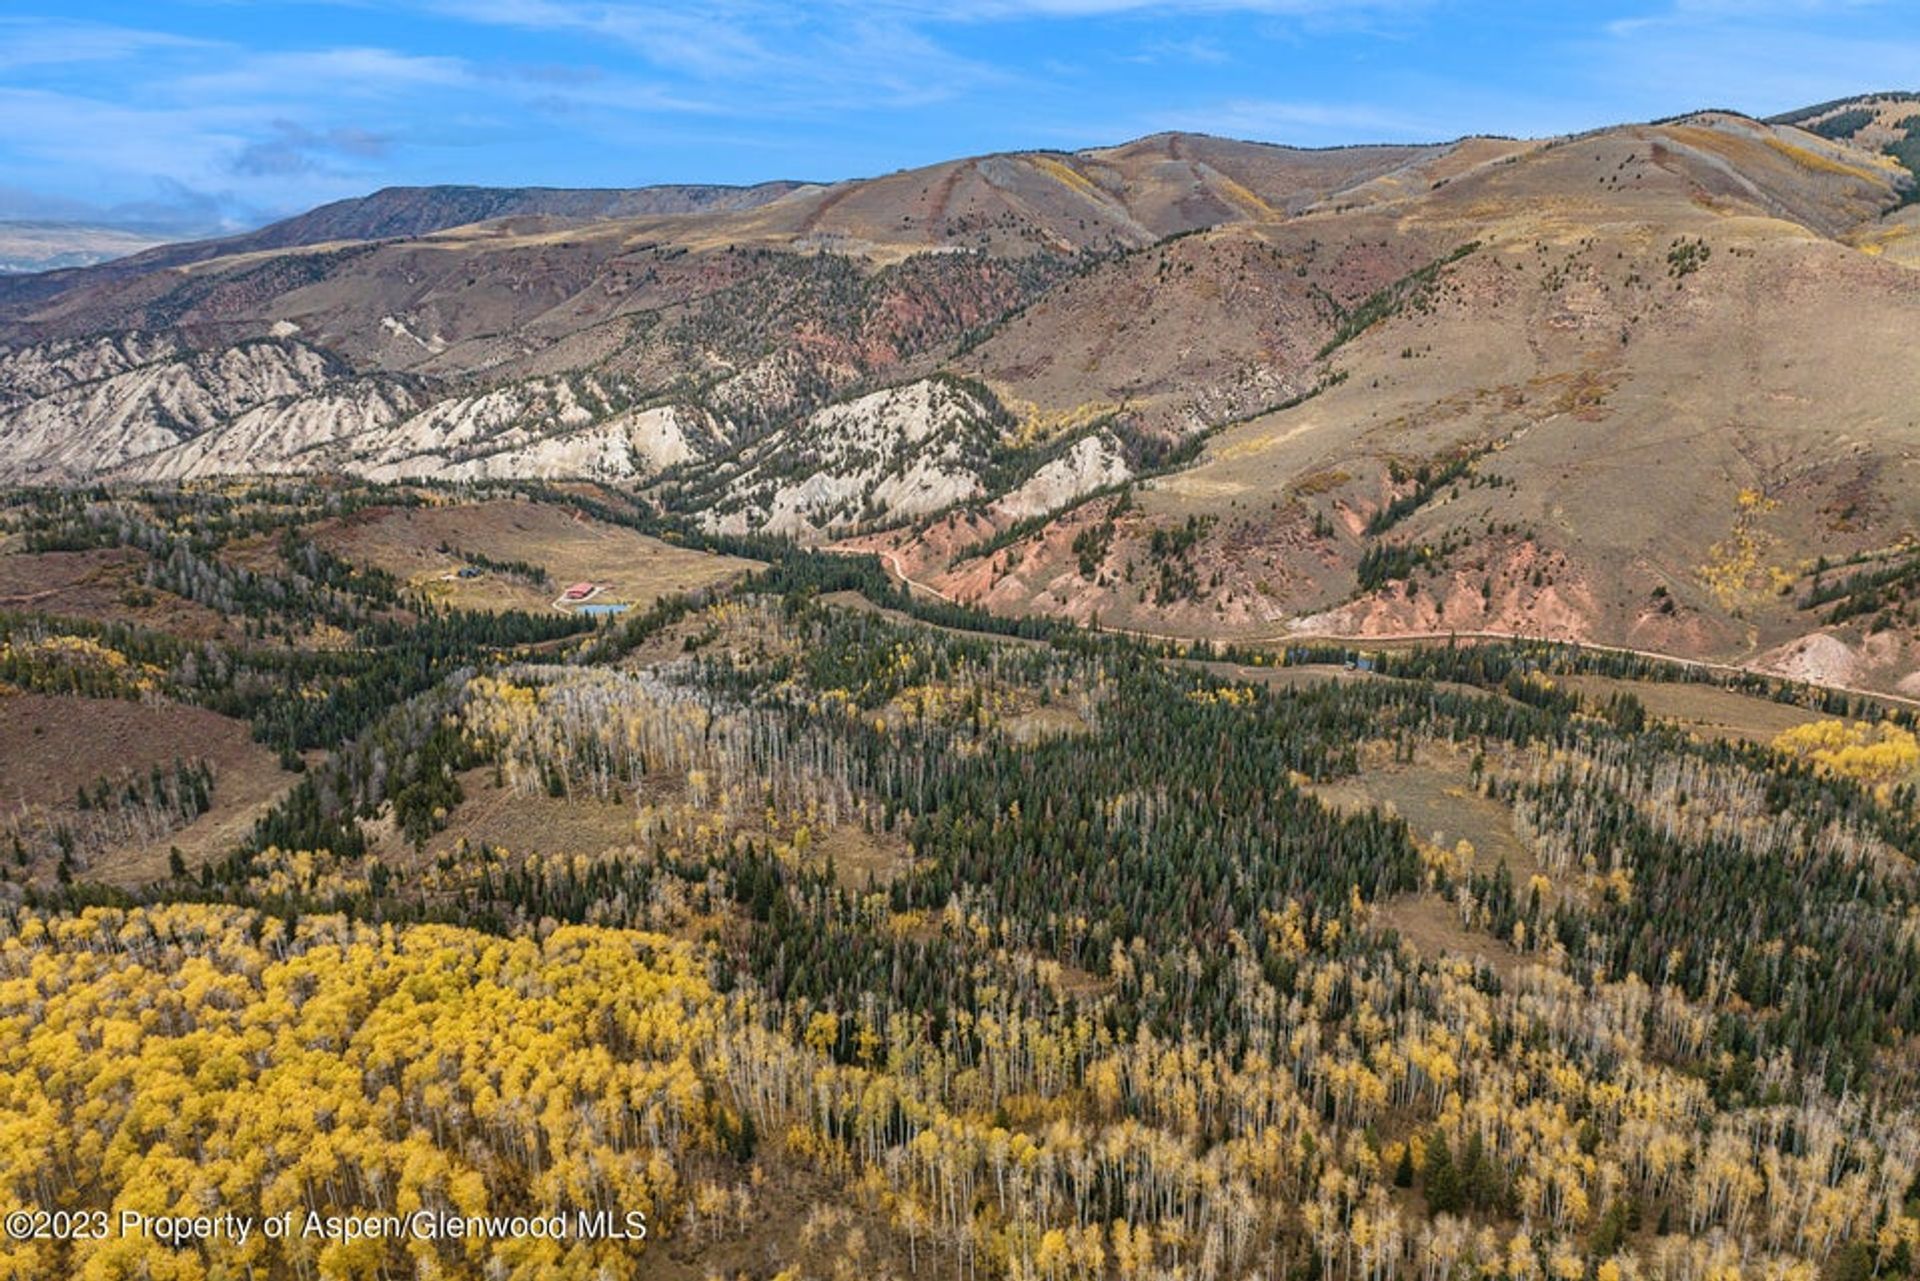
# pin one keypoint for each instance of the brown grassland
(51, 745)
(632, 568)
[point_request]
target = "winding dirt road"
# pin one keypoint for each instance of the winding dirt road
(891, 559)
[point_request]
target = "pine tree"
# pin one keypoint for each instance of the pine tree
(1444, 1194)
(1855, 1263)
(1480, 1178)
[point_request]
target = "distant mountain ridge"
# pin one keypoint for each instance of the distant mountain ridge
(417, 211)
(33, 245)
(1628, 387)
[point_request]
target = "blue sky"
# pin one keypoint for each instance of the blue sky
(198, 113)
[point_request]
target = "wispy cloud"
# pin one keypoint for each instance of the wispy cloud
(273, 109)
(828, 53)
(296, 149)
(212, 133)
(217, 126)
(37, 42)
(1760, 56)
(350, 72)
(1268, 119)
(1693, 12)
(792, 57)
(633, 18)
(1197, 49)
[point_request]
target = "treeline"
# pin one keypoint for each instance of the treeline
(1888, 588)
(1428, 480)
(1493, 665)
(525, 571)
(1414, 290)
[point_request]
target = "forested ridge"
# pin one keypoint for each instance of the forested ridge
(911, 944)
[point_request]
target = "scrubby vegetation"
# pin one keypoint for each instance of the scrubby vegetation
(1387, 562)
(1413, 290)
(1885, 590)
(1684, 257)
(1906, 149)
(1427, 479)
(1170, 550)
(981, 948)
(1843, 124)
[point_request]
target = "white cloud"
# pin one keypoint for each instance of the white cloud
(634, 19)
(352, 72)
(43, 43)
(1318, 124)
(813, 57)
(1196, 49)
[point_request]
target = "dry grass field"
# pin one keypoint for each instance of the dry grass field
(102, 585)
(536, 824)
(860, 858)
(1431, 926)
(424, 547)
(50, 746)
(1437, 799)
(1704, 709)
(1440, 805)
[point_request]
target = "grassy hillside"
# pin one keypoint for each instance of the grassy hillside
(1631, 387)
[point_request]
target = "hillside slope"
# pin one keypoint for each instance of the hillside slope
(1629, 388)
(397, 212)
(1645, 386)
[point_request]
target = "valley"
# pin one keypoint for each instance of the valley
(1183, 711)
(876, 897)
(1581, 388)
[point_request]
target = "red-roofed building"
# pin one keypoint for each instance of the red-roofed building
(579, 591)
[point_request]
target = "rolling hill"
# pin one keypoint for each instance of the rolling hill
(1645, 387)
(390, 213)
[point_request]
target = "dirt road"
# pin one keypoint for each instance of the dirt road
(891, 559)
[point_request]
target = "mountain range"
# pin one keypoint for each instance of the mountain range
(1649, 386)
(37, 245)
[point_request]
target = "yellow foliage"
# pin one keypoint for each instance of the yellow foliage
(1814, 160)
(1248, 201)
(1874, 753)
(1737, 566)
(81, 653)
(1038, 426)
(349, 1069)
(1230, 695)
(1067, 177)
